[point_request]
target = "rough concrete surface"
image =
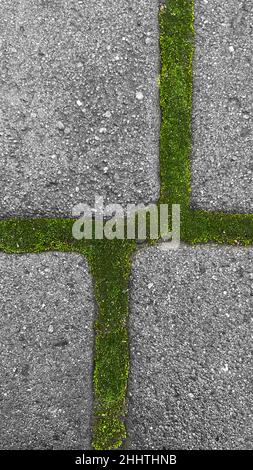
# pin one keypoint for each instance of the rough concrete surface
(222, 168)
(79, 105)
(46, 342)
(191, 334)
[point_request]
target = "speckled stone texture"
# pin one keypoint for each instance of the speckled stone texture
(222, 168)
(46, 343)
(79, 104)
(191, 334)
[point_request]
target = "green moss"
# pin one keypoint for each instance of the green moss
(176, 44)
(110, 260)
(35, 235)
(110, 268)
(177, 48)
(110, 265)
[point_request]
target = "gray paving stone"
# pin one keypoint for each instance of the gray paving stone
(46, 342)
(222, 169)
(79, 104)
(191, 333)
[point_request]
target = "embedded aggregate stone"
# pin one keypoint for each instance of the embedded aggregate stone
(46, 344)
(222, 169)
(191, 330)
(78, 95)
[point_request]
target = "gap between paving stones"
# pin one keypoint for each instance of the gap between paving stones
(110, 260)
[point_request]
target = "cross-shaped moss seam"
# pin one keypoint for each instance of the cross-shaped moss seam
(110, 261)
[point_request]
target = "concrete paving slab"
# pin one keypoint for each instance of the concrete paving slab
(222, 169)
(191, 333)
(46, 343)
(79, 104)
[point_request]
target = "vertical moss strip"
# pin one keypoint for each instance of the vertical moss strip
(110, 268)
(176, 43)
